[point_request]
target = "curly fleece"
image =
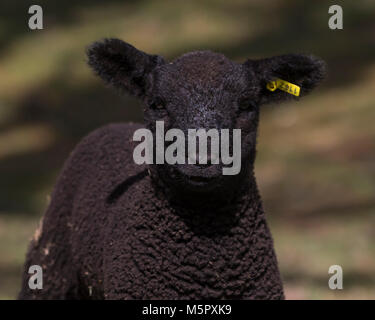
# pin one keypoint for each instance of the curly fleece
(118, 230)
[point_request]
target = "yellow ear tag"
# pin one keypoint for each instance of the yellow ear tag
(284, 86)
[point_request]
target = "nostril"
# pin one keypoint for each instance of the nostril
(200, 161)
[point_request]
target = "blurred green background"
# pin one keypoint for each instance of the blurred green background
(315, 165)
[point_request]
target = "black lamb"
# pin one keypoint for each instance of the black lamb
(118, 230)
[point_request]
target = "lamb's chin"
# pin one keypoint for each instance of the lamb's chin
(197, 179)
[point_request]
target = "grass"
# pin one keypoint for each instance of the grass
(306, 249)
(15, 233)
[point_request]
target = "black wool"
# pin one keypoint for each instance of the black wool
(118, 230)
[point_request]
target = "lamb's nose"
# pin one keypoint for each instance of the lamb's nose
(199, 161)
(204, 165)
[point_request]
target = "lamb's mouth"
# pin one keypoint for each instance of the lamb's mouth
(195, 176)
(205, 180)
(200, 179)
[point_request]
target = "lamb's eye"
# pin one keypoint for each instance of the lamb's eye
(246, 104)
(157, 105)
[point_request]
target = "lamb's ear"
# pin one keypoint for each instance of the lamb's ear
(121, 65)
(306, 71)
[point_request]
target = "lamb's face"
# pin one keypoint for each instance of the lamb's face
(202, 90)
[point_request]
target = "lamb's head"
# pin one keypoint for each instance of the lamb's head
(203, 90)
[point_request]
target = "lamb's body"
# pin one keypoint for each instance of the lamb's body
(110, 233)
(118, 230)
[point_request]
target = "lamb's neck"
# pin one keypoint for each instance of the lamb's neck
(213, 216)
(215, 247)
